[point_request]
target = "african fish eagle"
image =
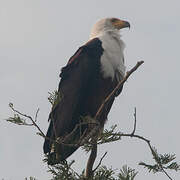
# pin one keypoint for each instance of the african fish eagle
(88, 78)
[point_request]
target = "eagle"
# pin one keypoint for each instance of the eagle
(89, 77)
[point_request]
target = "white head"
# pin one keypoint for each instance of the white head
(108, 24)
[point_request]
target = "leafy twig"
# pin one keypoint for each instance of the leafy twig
(160, 159)
(127, 173)
(29, 117)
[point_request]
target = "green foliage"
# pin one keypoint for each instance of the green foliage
(63, 171)
(127, 173)
(163, 161)
(54, 98)
(30, 178)
(106, 136)
(16, 119)
(104, 173)
(109, 135)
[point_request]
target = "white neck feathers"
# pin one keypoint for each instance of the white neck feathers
(112, 60)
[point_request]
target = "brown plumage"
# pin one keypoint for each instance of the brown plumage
(83, 88)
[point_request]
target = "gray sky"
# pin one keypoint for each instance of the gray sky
(36, 39)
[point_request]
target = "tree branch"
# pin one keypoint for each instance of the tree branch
(133, 135)
(113, 93)
(134, 122)
(92, 157)
(29, 117)
(36, 115)
(100, 162)
(95, 129)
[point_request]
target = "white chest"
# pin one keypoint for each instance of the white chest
(112, 59)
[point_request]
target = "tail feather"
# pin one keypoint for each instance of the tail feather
(47, 143)
(60, 152)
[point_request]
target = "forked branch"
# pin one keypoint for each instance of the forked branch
(94, 131)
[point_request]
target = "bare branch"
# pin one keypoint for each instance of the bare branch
(92, 157)
(100, 162)
(134, 122)
(149, 145)
(36, 115)
(96, 128)
(112, 94)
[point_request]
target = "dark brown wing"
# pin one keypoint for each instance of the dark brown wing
(76, 80)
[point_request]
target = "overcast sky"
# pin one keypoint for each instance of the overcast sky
(37, 37)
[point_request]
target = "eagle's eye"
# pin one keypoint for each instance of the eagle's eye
(113, 20)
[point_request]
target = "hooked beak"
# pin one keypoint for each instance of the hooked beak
(120, 24)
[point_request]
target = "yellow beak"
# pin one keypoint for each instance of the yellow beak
(119, 24)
